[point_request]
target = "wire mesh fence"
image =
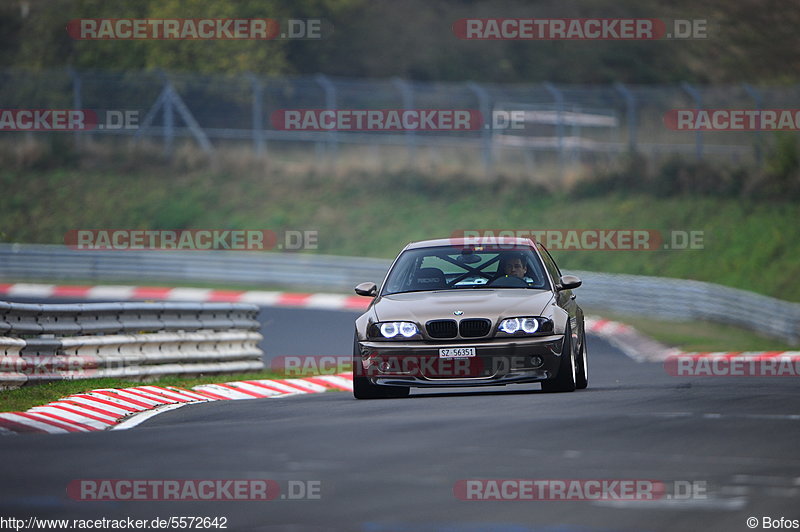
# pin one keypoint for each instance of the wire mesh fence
(560, 125)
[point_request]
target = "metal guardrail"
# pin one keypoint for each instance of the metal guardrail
(105, 318)
(57, 342)
(59, 263)
(656, 297)
(681, 299)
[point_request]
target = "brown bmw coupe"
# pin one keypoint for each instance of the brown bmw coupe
(470, 312)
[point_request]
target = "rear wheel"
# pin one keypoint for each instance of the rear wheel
(567, 370)
(363, 389)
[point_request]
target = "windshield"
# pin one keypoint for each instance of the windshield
(449, 268)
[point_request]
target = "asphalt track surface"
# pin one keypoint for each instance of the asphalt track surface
(391, 465)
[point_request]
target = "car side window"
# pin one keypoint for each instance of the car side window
(550, 264)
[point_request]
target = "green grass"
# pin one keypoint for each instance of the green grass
(700, 335)
(25, 397)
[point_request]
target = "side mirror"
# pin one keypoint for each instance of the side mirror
(367, 289)
(568, 282)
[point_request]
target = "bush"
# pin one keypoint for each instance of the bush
(781, 175)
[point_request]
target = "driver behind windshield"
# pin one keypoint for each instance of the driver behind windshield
(515, 265)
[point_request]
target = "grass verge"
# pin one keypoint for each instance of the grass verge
(700, 335)
(747, 243)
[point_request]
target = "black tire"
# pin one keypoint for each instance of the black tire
(363, 389)
(582, 375)
(564, 380)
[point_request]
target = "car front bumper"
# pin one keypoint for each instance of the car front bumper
(496, 362)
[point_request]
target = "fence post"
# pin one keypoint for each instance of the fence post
(257, 121)
(559, 99)
(756, 96)
(77, 99)
(484, 102)
(168, 111)
(630, 112)
(168, 102)
(330, 104)
(577, 149)
(698, 103)
(169, 122)
(407, 96)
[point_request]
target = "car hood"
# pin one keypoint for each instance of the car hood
(474, 303)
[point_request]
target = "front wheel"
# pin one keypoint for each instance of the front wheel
(567, 371)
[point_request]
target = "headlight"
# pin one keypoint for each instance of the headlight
(393, 329)
(389, 330)
(530, 325)
(408, 329)
(525, 325)
(510, 326)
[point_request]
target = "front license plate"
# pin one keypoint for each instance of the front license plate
(457, 352)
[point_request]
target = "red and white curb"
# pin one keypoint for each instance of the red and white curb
(126, 293)
(112, 408)
(628, 340)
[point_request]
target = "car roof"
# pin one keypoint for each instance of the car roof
(476, 241)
